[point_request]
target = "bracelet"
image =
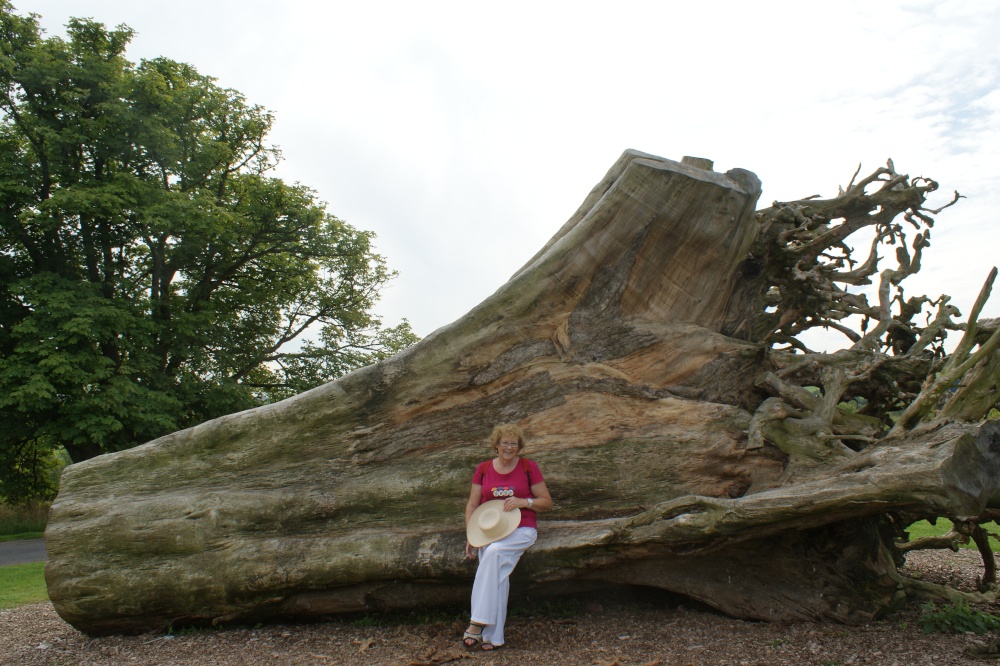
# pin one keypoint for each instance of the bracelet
(530, 502)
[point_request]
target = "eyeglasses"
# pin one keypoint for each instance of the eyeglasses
(507, 446)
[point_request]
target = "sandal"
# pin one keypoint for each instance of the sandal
(471, 640)
(490, 647)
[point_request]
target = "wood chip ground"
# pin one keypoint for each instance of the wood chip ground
(644, 632)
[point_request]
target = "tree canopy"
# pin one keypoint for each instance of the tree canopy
(153, 273)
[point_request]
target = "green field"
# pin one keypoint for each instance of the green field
(21, 535)
(22, 584)
(923, 528)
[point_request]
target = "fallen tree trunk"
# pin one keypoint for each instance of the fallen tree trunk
(641, 351)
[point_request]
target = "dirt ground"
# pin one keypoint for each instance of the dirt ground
(644, 631)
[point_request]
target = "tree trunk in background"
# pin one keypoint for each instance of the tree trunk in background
(678, 454)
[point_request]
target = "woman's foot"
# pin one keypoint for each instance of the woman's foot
(489, 647)
(473, 636)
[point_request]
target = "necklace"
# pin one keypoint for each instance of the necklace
(500, 467)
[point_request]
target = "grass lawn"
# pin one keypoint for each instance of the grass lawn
(22, 584)
(22, 535)
(923, 528)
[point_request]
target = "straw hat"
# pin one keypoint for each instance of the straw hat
(491, 523)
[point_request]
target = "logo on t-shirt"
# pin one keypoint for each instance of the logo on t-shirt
(503, 491)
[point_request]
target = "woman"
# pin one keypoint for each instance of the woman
(519, 484)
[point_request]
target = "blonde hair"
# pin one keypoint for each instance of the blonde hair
(509, 430)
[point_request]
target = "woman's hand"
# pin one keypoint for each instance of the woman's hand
(470, 551)
(512, 503)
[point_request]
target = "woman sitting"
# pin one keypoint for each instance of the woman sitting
(507, 492)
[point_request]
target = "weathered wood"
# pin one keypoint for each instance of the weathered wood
(682, 451)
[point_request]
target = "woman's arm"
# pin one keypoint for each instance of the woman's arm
(474, 498)
(541, 502)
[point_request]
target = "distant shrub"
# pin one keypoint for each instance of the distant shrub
(24, 518)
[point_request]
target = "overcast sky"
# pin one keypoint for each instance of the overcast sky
(465, 133)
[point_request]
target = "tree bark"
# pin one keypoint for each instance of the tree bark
(637, 351)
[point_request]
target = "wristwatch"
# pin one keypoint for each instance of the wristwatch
(530, 502)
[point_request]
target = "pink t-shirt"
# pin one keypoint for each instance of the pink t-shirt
(513, 484)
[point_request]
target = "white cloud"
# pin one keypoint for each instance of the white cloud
(464, 133)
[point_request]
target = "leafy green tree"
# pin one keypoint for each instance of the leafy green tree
(152, 273)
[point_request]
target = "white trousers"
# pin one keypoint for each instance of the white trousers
(489, 593)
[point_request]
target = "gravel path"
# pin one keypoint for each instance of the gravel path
(643, 632)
